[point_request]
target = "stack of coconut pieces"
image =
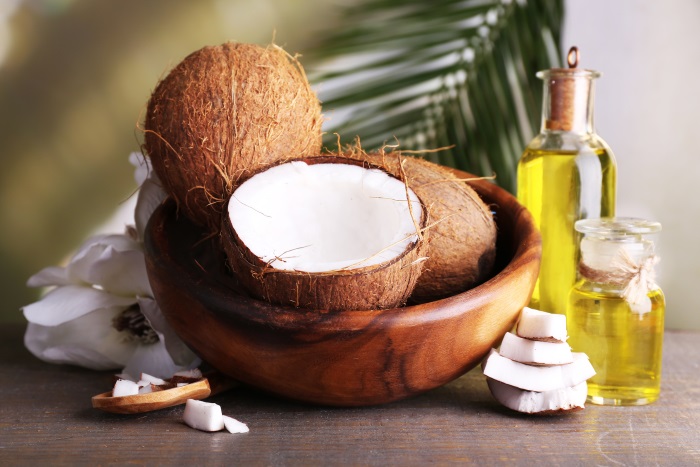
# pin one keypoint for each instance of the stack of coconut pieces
(535, 371)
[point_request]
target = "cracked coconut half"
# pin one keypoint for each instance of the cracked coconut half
(328, 234)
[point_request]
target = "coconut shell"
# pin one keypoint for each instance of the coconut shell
(462, 249)
(381, 286)
(223, 113)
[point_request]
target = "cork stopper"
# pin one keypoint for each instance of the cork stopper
(569, 90)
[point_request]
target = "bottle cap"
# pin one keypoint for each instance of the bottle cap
(568, 92)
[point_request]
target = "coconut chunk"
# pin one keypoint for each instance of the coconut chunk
(555, 401)
(535, 352)
(324, 217)
(538, 378)
(152, 379)
(124, 387)
(124, 376)
(234, 426)
(186, 376)
(204, 416)
(543, 326)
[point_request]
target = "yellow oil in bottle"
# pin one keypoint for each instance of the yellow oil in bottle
(559, 187)
(624, 347)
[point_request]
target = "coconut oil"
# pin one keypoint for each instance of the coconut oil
(620, 329)
(565, 174)
(553, 184)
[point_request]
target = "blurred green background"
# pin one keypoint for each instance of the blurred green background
(75, 76)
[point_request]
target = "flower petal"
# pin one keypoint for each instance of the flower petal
(90, 251)
(38, 339)
(79, 267)
(121, 272)
(151, 195)
(114, 262)
(142, 166)
(89, 341)
(70, 302)
(178, 350)
(47, 277)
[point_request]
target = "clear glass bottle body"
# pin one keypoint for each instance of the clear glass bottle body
(623, 340)
(566, 173)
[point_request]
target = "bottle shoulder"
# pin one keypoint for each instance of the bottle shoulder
(569, 142)
(603, 291)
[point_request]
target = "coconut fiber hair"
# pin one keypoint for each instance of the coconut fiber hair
(221, 114)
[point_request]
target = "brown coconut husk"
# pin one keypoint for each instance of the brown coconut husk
(222, 114)
(463, 233)
(381, 286)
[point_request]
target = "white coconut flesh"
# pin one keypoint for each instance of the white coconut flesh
(537, 378)
(564, 399)
(535, 352)
(536, 324)
(324, 217)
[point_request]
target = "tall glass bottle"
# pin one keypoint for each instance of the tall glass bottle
(566, 173)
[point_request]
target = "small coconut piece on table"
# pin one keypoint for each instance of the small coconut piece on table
(234, 426)
(463, 230)
(207, 416)
(223, 113)
(326, 234)
(204, 416)
(533, 376)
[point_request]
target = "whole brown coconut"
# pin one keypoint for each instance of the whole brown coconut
(462, 243)
(220, 115)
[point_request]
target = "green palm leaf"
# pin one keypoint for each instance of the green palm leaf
(441, 73)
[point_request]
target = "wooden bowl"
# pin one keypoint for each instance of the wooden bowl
(349, 358)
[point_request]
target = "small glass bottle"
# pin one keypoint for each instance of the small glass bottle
(566, 173)
(616, 310)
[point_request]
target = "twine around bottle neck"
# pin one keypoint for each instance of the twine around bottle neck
(636, 279)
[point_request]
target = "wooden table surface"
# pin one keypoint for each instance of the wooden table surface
(46, 418)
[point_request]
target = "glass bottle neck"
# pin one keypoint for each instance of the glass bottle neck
(568, 100)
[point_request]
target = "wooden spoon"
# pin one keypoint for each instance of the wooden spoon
(139, 403)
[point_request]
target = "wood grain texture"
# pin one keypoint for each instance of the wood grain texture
(213, 383)
(347, 358)
(46, 419)
(152, 401)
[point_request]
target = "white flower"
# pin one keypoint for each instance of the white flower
(101, 313)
